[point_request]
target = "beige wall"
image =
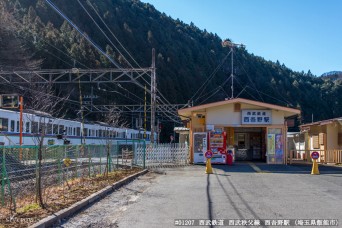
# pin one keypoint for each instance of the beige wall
(331, 131)
(332, 134)
(219, 115)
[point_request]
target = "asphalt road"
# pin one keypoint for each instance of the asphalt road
(244, 191)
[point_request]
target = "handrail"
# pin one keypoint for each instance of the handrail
(326, 156)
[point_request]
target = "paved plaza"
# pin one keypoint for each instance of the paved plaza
(248, 191)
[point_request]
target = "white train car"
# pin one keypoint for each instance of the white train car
(60, 131)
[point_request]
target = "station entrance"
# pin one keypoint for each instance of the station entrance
(249, 143)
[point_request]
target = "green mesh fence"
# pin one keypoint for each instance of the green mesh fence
(21, 166)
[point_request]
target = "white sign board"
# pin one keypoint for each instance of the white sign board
(210, 127)
(256, 117)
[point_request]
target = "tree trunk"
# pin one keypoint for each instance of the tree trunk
(39, 182)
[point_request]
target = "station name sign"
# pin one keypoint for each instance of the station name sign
(256, 117)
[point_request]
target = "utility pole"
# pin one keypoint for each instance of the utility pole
(153, 96)
(231, 45)
(232, 67)
(91, 98)
(145, 116)
(158, 131)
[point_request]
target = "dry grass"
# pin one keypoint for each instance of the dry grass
(57, 198)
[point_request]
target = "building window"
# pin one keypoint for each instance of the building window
(321, 138)
(339, 139)
(315, 141)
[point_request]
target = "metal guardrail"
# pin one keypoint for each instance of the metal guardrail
(326, 156)
(162, 155)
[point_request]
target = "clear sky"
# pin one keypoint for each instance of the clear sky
(302, 34)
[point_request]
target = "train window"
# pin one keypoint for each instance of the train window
(74, 129)
(61, 129)
(49, 129)
(18, 126)
(34, 127)
(27, 127)
(12, 126)
(55, 129)
(92, 132)
(42, 127)
(78, 131)
(85, 132)
(3, 124)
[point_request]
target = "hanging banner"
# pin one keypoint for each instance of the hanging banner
(256, 117)
(270, 144)
(279, 148)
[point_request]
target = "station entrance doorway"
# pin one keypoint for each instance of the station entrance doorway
(249, 143)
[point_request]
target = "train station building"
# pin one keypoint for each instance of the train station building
(253, 130)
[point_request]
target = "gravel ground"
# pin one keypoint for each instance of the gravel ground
(106, 212)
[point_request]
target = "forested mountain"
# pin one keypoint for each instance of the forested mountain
(334, 75)
(185, 55)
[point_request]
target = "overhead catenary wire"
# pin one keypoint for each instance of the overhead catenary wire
(282, 101)
(259, 92)
(110, 41)
(246, 90)
(249, 78)
(210, 92)
(204, 85)
(216, 89)
(89, 3)
(97, 47)
(97, 25)
(115, 91)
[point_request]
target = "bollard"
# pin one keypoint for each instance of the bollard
(315, 156)
(208, 168)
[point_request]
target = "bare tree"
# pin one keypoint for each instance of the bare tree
(114, 119)
(46, 106)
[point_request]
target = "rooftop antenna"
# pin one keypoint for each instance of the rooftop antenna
(231, 45)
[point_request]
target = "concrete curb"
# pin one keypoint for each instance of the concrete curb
(56, 217)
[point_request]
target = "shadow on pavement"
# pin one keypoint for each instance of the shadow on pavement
(247, 167)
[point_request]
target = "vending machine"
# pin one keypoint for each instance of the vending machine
(217, 145)
(200, 147)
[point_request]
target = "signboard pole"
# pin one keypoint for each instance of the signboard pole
(21, 127)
